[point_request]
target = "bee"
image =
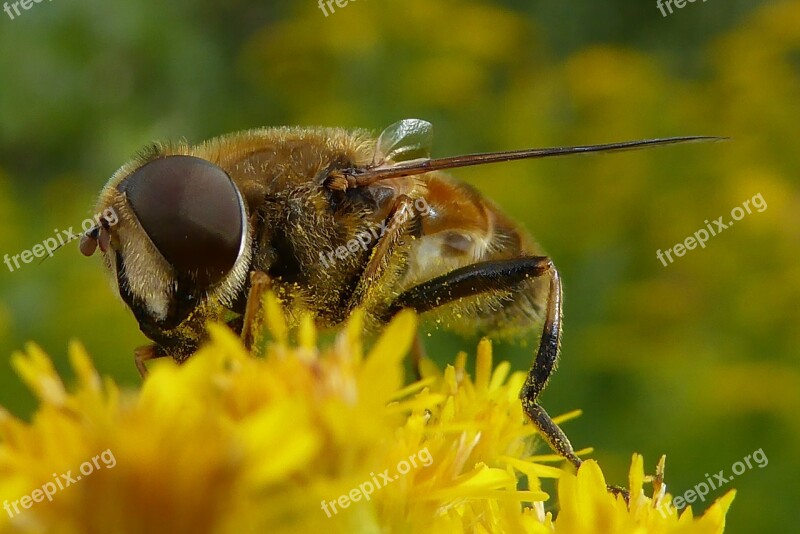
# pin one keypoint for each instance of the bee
(331, 220)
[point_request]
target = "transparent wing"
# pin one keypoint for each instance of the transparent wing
(404, 140)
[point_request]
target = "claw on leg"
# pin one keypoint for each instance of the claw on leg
(616, 490)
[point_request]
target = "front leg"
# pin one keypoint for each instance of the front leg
(260, 283)
(146, 353)
(399, 224)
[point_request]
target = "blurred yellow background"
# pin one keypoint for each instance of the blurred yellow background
(697, 359)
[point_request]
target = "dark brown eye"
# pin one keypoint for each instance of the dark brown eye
(192, 213)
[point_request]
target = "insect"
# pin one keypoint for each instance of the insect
(332, 220)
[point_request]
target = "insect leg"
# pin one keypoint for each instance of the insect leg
(259, 284)
(145, 353)
(400, 222)
(507, 275)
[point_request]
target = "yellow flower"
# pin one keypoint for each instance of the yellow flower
(299, 440)
(587, 507)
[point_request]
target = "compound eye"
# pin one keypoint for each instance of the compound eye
(192, 212)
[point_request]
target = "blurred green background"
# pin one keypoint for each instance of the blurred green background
(697, 360)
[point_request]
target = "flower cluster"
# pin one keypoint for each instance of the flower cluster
(233, 442)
